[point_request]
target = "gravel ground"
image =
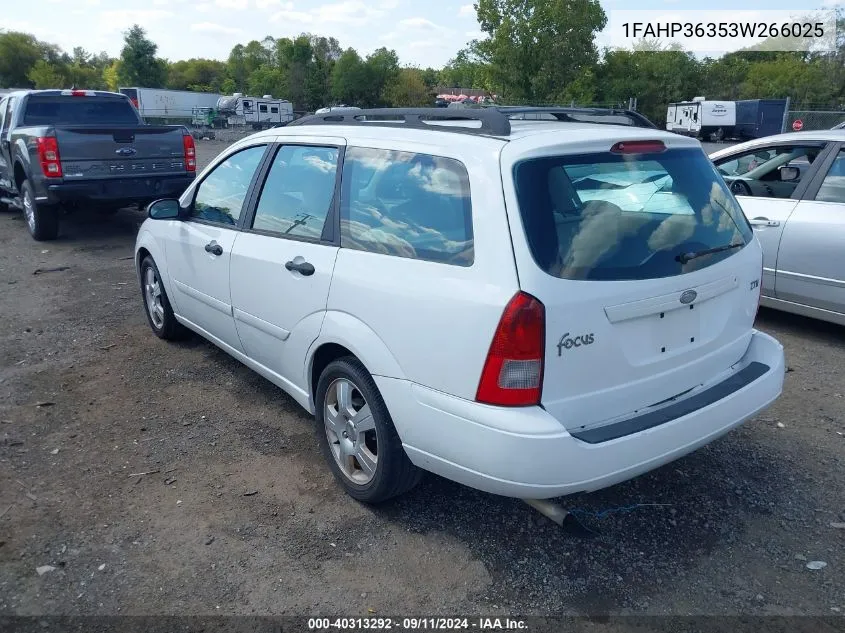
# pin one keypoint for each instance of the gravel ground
(162, 478)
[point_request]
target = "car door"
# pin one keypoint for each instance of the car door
(811, 259)
(282, 262)
(198, 249)
(754, 178)
(6, 170)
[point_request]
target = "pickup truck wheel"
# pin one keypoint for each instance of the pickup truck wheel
(357, 436)
(41, 220)
(157, 306)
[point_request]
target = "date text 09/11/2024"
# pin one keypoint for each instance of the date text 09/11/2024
(416, 624)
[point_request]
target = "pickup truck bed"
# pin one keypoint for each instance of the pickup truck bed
(64, 149)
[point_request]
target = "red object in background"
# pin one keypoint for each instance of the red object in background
(797, 125)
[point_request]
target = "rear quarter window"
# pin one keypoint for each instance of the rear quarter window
(406, 205)
(608, 216)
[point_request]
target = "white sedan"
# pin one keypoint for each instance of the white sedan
(792, 190)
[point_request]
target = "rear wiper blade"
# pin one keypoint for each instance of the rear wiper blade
(687, 257)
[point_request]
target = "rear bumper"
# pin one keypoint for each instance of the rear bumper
(526, 453)
(124, 190)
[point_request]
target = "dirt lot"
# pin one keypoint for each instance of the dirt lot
(239, 514)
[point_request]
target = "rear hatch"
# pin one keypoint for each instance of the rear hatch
(100, 137)
(613, 239)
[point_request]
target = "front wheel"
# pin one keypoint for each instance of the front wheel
(41, 220)
(357, 436)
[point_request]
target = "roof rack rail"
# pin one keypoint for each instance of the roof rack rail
(492, 121)
(568, 113)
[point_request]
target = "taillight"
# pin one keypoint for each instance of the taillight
(638, 147)
(190, 152)
(513, 371)
(48, 156)
(135, 103)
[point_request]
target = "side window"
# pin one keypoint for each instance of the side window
(220, 196)
(758, 172)
(274, 110)
(262, 108)
(297, 195)
(247, 106)
(833, 186)
(407, 205)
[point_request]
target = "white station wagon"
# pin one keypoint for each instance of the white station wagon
(532, 308)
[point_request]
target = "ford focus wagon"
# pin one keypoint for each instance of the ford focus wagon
(532, 308)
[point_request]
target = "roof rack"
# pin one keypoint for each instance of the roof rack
(493, 122)
(564, 113)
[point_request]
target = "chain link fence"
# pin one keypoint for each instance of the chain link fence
(814, 119)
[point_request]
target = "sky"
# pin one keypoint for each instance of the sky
(423, 32)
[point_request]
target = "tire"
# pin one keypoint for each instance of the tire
(160, 316)
(367, 480)
(41, 220)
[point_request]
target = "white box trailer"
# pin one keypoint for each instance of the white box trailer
(156, 104)
(701, 118)
(258, 112)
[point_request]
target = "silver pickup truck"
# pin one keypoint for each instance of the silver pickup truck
(62, 149)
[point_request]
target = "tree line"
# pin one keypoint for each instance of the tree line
(532, 52)
(310, 70)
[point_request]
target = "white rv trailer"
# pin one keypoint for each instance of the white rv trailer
(157, 104)
(258, 112)
(701, 118)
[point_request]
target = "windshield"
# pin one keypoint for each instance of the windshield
(79, 110)
(623, 216)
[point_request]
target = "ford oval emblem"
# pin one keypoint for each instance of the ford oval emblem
(126, 151)
(688, 296)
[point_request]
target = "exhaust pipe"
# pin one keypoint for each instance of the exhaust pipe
(562, 517)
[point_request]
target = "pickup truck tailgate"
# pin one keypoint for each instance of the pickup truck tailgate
(102, 153)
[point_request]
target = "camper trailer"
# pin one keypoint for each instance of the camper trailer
(258, 112)
(701, 118)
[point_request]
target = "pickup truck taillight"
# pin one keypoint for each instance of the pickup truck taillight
(190, 152)
(48, 156)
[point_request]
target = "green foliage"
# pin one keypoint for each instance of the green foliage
(111, 74)
(19, 53)
(139, 65)
(45, 75)
(535, 48)
(465, 71)
(407, 89)
(203, 75)
(349, 79)
(653, 78)
(533, 51)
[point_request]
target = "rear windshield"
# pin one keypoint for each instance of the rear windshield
(623, 216)
(79, 110)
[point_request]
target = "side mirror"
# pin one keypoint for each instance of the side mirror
(164, 209)
(789, 174)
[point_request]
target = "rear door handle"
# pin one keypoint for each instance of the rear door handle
(763, 222)
(303, 268)
(214, 248)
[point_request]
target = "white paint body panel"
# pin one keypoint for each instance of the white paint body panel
(423, 329)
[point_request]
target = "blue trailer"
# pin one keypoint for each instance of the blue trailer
(756, 118)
